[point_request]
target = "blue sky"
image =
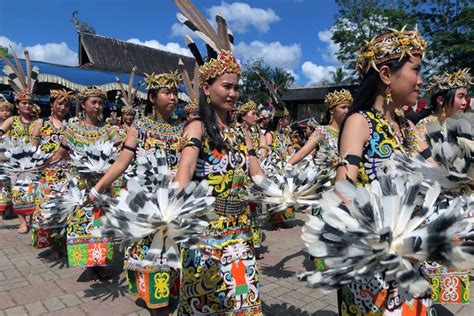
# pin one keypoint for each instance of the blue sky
(292, 34)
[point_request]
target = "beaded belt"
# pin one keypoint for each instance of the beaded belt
(228, 207)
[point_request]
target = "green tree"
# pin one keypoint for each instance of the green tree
(339, 77)
(252, 86)
(4, 52)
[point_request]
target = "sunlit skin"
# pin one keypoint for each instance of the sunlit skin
(92, 107)
(459, 103)
(192, 116)
(224, 93)
(250, 118)
(164, 103)
(4, 115)
(128, 118)
(25, 109)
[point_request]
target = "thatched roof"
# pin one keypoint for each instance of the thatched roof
(108, 54)
(312, 95)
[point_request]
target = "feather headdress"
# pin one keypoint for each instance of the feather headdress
(92, 92)
(447, 81)
(22, 83)
(219, 43)
(192, 87)
(382, 231)
(173, 219)
(396, 44)
(128, 95)
(168, 80)
(338, 97)
(246, 107)
(63, 94)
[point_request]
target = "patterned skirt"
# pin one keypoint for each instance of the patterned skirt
(154, 282)
(52, 181)
(86, 245)
(255, 211)
(24, 196)
(448, 285)
(372, 295)
(222, 278)
(5, 193)
(285, 218)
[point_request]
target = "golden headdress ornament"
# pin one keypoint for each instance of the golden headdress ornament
(128, 94)
(63, 94)
(337, 97)
(22, 83)
(218, 42)
(246, 107)
(447, 81)
(168, 80)
(92, 92)
(389, 46)
(192, 87)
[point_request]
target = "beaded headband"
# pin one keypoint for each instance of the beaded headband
(447, 81)
(246, 107)
(92, 92)
(337, 97)
(21, 83)
(389, 46)
(62, 94)
(168, 80)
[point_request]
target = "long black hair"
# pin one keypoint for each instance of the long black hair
(208, 117)
(448, 100)
(371, 86)
(149, 104)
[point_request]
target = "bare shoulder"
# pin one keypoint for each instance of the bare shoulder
(194, 129)
(356, 127)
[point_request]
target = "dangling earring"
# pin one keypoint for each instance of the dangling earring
(208, 100)
(388, 95)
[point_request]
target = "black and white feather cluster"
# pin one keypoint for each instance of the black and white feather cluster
(24, 160)
(60, 204)
(95, 158)
(383, 230)
(291, 187)
(452, 147)
(171, 218)
(147, 169)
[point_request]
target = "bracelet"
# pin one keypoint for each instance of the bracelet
(252, 152)
(426, 153)
(95, 193)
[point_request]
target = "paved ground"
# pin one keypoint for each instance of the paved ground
(30, 284)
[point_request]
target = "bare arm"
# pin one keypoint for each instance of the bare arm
(121, 164)
(354, 136)
(263, 150)
(304, 151)
(35, 135)
(7, 124)
(189, 155)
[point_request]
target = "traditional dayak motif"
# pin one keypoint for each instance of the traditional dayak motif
(86, 245)
(222, 278)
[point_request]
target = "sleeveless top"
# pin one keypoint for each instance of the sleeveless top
(77, 134)
(20, 130)
(51, 136)
(225, 169)
(382, 143)
(158, 133)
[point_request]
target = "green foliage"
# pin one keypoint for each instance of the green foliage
(252, 86)
(447, 25)
(4, 52)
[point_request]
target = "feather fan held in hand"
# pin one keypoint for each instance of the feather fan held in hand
(381, 231)
(60, 204)
(23, 159)
(172, 218)
(292, 187)
(95, 158)
(452, 147)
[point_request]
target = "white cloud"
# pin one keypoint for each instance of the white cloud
(56, 53)
(329, 53)
(169, 47)
(316, 73)
(180, 30)
(274, 54)
(241, 16)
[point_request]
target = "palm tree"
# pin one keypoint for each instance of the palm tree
(281, 79)
(339, 76)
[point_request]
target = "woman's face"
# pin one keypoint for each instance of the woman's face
(224, 91)
(128, 117)
(25, 107)
(459, 102)
(4, 114)
(284, 122)
(60, 108)
(250, 117)
(192, 116)
(406, 82)
(93, 107)
(165, 100)
(339, 112)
